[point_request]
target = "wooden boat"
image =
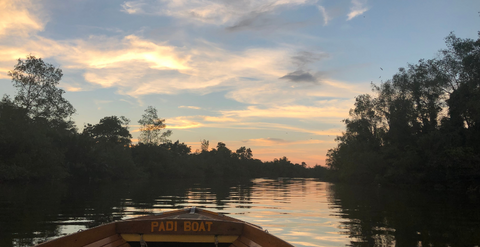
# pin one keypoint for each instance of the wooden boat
(185, 227)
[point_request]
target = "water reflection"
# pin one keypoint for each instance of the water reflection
(305, 212)
(386, 217)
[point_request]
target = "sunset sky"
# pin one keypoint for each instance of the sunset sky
(275, 76)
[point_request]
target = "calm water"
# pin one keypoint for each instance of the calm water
(305, 212)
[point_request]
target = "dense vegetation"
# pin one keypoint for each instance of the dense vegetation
(38, 141)
(420, 127)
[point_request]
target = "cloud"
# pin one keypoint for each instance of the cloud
(182, 123)
(190, 107)
(136, 66)
(221, 119)
(159, 68)
(17, 18)
(328, 110)
(326, 17)
(255, 20)
(274, 94)
(236, 14)
(131, 49)
(192, 122)
(299, 76)
(133, 7)
(73, 89)
(280, 142)
(303, 58)
(4, 73)
(265, 141)
(357, 9)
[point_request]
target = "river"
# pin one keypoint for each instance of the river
(304, 212)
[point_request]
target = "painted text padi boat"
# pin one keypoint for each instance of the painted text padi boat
(185, 227)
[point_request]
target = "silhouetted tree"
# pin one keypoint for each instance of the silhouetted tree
(112, 130)
(204, 145)
(36, 82)
(151, 128)
(244, 153)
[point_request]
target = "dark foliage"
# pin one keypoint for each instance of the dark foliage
(421, 127)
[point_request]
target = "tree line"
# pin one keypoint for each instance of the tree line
(39, 141)
(420, 127)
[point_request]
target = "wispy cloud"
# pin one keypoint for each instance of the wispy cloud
(73, 89)
(326, 17)
(280, 142)
(266, 141)
(183, 123)
(235, 14)
(304, 58)
(253, 20)
(166, 69)
(274, 94)
(290, 111)
(133, 7)
(299, 76)
(4, 73)
(190, 107)
(193, 122)
(136, 66)
(18, 18)
(132, 48)
(221, 119)
(358, 7)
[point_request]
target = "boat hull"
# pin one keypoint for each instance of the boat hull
(186, 227)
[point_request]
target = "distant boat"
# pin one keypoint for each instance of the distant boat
(184, 227)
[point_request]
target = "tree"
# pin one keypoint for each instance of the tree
(205, 144)
(177, 148)
(462, 62)
(29, 150)
(113, 130)
(36, 82)
(152, 126)
(244, 153)
(423, 126)
(107, 150)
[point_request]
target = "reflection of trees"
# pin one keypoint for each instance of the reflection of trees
(179, 193)
(235, 191)
(280, 190)
(159, 194)
(23, 211)
(35, 212)
(384, 217)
